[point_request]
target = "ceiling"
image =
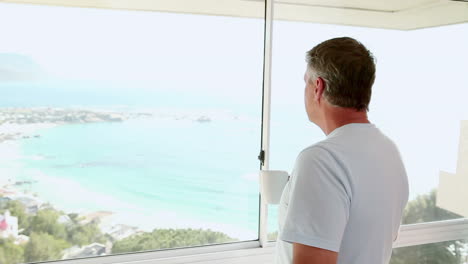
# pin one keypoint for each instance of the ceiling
(393, 14)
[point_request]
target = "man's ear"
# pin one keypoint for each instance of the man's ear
(319, 89)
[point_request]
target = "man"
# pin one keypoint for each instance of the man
(346, 195)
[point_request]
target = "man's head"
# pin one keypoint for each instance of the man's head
(340, 74)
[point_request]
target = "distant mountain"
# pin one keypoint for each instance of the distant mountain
(18, 67)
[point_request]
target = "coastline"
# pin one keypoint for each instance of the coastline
(23, 123)
(113, 211)
(118, 213)
(9, 154)
(10, 147)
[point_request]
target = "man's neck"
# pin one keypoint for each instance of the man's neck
(336, 117)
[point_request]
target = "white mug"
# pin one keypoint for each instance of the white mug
(272, 183)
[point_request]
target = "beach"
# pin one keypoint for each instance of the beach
(10, 147)
(42, 156)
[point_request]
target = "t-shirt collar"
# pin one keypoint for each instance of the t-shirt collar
(349, 126)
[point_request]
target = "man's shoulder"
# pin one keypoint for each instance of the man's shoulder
(326, 146)
(321, 162)
(320, 152)
(326, 154)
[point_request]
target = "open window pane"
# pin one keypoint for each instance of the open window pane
(126, 131)
(419, 101)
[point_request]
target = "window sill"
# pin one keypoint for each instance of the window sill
(251, 252)
(236, 253)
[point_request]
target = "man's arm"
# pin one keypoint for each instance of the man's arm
(303, 254)
(318, 209)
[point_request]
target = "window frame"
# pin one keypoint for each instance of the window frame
(410, 235)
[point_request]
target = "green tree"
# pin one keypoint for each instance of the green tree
(420, 210)
(169, 238)
(84, 234)
(43, 247)
(423, 209)
(10, 253)
(436, 253)
(46, 221)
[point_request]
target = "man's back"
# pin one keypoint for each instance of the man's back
(346, 194)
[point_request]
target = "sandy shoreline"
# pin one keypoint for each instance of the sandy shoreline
(10, 151)
(12, 131)
(118, 212)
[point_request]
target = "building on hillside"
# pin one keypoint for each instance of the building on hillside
(31, 204)
(119, 232)
(92, 250)
(6, 192)
(64, 219)
(8, 225)
(4, 201)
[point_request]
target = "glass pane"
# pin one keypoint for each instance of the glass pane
(272, 222)
(418, 100)
(450, 252)
(125, 131)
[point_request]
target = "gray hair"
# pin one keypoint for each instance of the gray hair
(348, 70)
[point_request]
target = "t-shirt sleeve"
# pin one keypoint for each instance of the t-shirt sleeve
(319, 201)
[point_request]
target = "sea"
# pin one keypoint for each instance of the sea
(191, 164)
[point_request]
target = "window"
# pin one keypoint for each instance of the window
(449, 252)
(419, 100)
(272, 228)
(127, 131)
(124, 131)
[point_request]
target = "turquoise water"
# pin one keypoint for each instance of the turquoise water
(167, 171)
(152, 172)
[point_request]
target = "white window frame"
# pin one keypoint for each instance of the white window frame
(410, 235)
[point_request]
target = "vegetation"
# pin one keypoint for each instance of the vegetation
(51, 231)
(46, 221)
(82, 235)
(48, 236)
(424, 209)
(436, 253)
(10, 253)
(169, 238)
(43, 246)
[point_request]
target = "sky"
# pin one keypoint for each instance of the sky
(419, 97)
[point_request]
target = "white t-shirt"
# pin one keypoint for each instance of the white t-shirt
(346, 194)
